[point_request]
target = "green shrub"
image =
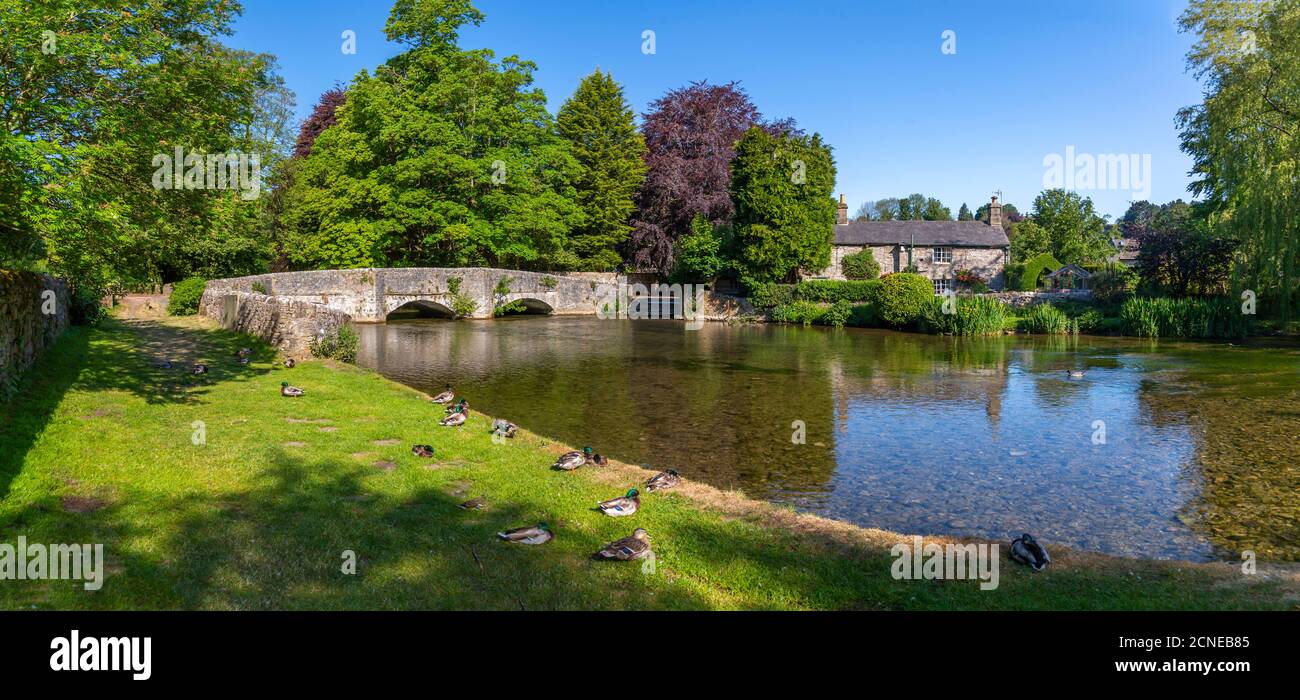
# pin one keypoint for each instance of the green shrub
(838, 314)
(185, 297)
(550, 282)
(831, 291)
(514, 307)
(769, 295)
(1218, 317)
(463, 305)
(902, 297)
(864, 316)
(1013, 273)
(1113, 284)
(259, 288)
(1045, 318)
(860, 266)
(1034, 269)
(503, 285)
(340, 345)
(971, 315)
(86, 305)
(1091, 321)
(803, 312)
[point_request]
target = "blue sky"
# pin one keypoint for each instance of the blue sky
(1028, 79)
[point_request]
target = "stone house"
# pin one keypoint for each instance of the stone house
(938, 249)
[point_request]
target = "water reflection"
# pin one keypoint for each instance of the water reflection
(983, 437)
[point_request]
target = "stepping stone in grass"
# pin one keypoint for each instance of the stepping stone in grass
(385, 465)
(362, 455)
(328, 429)
(82, 504)
(387, 442)
(294, 443)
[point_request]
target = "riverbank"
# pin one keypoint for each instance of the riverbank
(100, 447)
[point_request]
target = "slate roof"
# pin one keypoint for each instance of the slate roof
(970, 234)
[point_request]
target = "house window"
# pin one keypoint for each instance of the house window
(943, 286)
(942, 255)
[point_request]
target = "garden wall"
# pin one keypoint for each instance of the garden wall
(25, 327)
(288, 324)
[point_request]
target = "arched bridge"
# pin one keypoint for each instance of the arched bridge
(369, 295)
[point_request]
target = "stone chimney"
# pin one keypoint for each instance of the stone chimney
(842, 213)
(995, 213)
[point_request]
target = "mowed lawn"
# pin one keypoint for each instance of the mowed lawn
(99, 447)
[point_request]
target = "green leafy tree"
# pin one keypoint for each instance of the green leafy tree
(935, 211)
(442, 157)
(1077, 233)
(699, 255)
(1028, 240)
(964, 214)
(785, 215)
(610, 152)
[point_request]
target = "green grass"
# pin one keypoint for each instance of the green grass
(249, 521)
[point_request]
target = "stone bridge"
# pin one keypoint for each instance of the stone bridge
(369, 295)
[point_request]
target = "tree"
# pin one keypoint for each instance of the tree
(323, 116)
(690, 135)
(864, 211)
(1244, 138)
(887, 210)
(1010, 215)
(964, 214)
(1077, 233)
(442, 157)
(699, 255)
(935, 211)
(1029, 240)
(1180, 253)
(785, 213)
(597, 123)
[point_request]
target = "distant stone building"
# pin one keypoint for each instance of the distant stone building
(937, 249)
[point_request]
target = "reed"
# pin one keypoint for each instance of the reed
(970, 316)
(1162, 317)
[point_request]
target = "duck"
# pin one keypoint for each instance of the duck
(533, 534)
(1075, 373)
(446, 396)
(290, 363)
(422, 450)
(244, 360)
(293, 391)
(457, 418)
(628, 504)
(634, 546)
(663, 480)
(572, 460)
(1026, 550)
(504, 428)
(459, 406)
(199, 368)
(243, 352)
(474, 503)
(164, 364)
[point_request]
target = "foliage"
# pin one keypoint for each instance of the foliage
(830, 291)
(768, 295)
(1112, 284)
(503, 285)
(969, 279)
(1029, 240)
(864, 316)
(340, 345)
(549, 282)
(1217, 317)
(971, 315)
(690, 135)
(513, 307)
(964, 214)
(1077, 234)
(699, 254)
(463, 305)
(838, 314)
(1047, 319)
(802, 312)
(610, 153)
(323, 116)
(861, 265)
(902, 297)
(785, 215)
(441, 157)
(185, 297)
(1034, 269)
(258, 288)
(1181, 253)
(1244, 138)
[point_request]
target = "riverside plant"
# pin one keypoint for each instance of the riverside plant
(1162, 317)
(1049, 320)
(972, 315)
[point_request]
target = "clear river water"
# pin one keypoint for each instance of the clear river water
(1161, 450)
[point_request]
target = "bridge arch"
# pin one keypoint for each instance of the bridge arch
(422, 308)
(518, 304)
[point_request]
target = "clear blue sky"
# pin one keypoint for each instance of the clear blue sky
(1028, 79)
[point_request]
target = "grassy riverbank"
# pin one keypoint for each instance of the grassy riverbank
(98, 448)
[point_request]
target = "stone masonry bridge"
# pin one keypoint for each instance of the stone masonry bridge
(369, 295)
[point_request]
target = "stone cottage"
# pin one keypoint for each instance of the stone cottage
(938, 249)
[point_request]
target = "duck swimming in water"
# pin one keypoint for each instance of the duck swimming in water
(663, 480)
(1075, 373)
(536, 534)
(291, 391)
(625, 505)
(446, 396)
(1026, 550)
(634, 546)
(572, 460)
(458, 418)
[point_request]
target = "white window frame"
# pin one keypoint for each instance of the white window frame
(943, 285)
(938, 254)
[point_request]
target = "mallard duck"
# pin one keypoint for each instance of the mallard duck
(474, 503)
(537, 534)
(199, 368)
(422, 450)
(598, 460)
(457, 418)
(634, 546)
(244, 360)
(462, 405)
(572, 460)
(290, 363)
(504, 428)
(165, 364)
(663, 480)
(1026, 550)
(243, 352)
(446, 396)
(286, 390)
(628, 504)
(1074, 373)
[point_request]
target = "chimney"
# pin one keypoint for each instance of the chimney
(842, 213)
(995, 213)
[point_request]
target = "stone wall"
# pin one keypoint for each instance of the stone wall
(288, 324)
(989, 263)
(25, 327)
(1021, 300)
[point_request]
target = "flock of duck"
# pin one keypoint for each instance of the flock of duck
(1024, 549)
